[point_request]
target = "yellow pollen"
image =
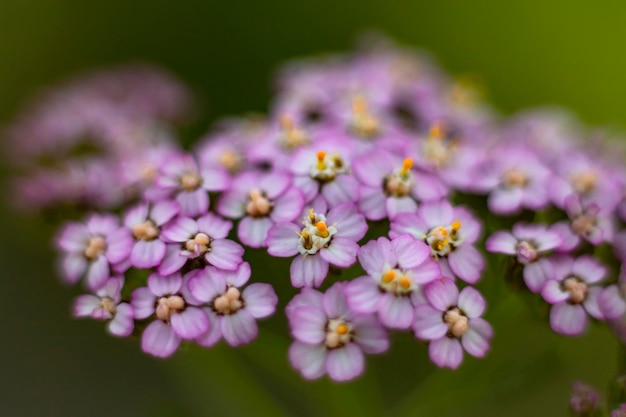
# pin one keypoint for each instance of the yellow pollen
(286, 122)
(456, 225)
(405, 282)
(322, 229)
(407, 164)
(320, 160)
(304, 234)
(443, 231)
(389, 276)
(312, 215)
(359, 105)
(342, 329)
(436, 130)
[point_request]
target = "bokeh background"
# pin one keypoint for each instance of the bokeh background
(526, 53)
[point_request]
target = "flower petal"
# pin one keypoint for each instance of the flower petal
(159, 339)
(308, 271)
(345, 363)
(308, 359)
(260, 299)
(190, 323)
(471, 302)
(282, 240)
(239, 328)
(429, 324)
(341, 252)
(568, 319)
(476, 338)
(446, 352)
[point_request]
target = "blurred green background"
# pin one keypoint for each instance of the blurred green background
(527, 53)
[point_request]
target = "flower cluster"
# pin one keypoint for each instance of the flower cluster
(376, 174)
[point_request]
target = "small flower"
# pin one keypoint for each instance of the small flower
(330, 338)
(146, 222)
(584, 401)
(93, 248)
(451, 321)
(528, 242)
(175, 316)
(232, 311)
(572, 293)
(320, 241)
(396, 271)
(588, 221)
(191, 184)
(450, 233)
(203, 239)
(107, 305)
(262, 200)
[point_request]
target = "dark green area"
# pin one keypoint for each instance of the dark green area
(526, 53)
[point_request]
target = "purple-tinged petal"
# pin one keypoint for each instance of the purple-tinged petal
(553, 293)
(84, 305)
(237, 278)
(225, 254)
(147, 254)
(205, 287)
(135, 215)
(471, 302)
(74, 237)
(408, 223)
(467, 263)
(436, 213)
(308, 359)
(288, 206)
(536, 274)
(343, 189)
(239, 328)
(345, 363)
(395, 312)
(611, 303)
(334, 301)
(470, 227)
(592, 303)
(215, 179)
(102, 224)
(588, 269)
(190, 323)
(193, 203)
(476, 338)
(260, 300)
(308, 186)
(214, 226)
(307, 297)
(429, 324)
(253, 231)
(73, 266)
(274, 184)
(502, 242)
(350, 224)
(180, 230)
(372, 168)
(377, 255)
(442, 294)
(308, 324)
(143, 302)
(410, 252)
(173, 261)
(119, 245)
(159, 339)
(428, 187)
(372, 203)
(308, 271)
(397, 205)
(165, 285)
(505, 201)
(568, 319)
(446, 352)
(427, 272)
(164, 211)
(98, 272)
(214, 334)
(232, 204)
(362, 295)
(341, 252)
(282, 240)
(369, 334)
(123, 323)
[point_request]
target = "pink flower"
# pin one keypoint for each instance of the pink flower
(396, 271)
(107, 305)
(232, 311)
(93, 248)
(321, 241)
(451, 321)
(176, 318)
(330, 338)
(203, 239)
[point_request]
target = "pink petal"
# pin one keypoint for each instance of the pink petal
(84, 305)
(147, 254)
(282, 240)
(553, 293)
(536, 274)
(190, 323)
(502, 242)
(253, 231)
(180, 230)
(429, 324)
(173, 261)
(410, 252)
(232, 204)
(611, 303)
(471, 302)
(376, 256)
(588, 269)
(204, 287)
(505, 201)
(239, 328)
(164, 211)
(214, 226)
(397, 205)
(467, 263)
(350, 224)
(288, 206)
(476, 338)
(159, 339)
(135, 215)
(98, 272)
(395, 312)
(436, 213)
(119, 245)
(372, 203)
(193, 203)
(446, 352)
(442, 294)
(345, 363)
(143, 302)
(260, 299)
(334, 301)
(308, 359)
(165, 285)
(214, 334)
(427, 272)
(308, 324)
(369, 334)
(225, 254)
(74, 237)
(237, 278)
(73, 266)
(362, 295)
(568, 319)
(215, 179)
(343, 189)
(308, 271)
(341, 252)
(123, 323)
